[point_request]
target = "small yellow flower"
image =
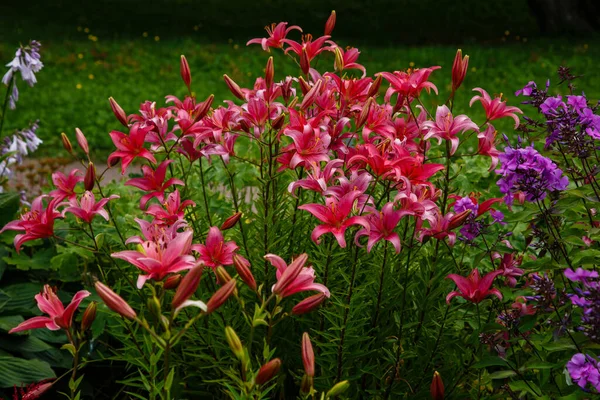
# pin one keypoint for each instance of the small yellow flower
(80, 56)
(87, 30)
(196, 27)
(507, 32)
(411, 64)
(156, 38)
(145, 34)
(91, 76)
(78, 86)
(473, 69)
(236, 46)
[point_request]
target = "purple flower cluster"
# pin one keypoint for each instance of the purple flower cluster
(27, 61)
(588, 299)
(544, 290)
(584, 369)
(472, 227)
(17, 146)
(527, 171)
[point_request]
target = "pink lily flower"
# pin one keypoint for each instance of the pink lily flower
(277, 34)
(87, 208)
(58, 317)
(509, 267)
(38, 223)
(160, 259)
(474, 288)
(154, 182)
(347, 60)
(487, 146)
(409, 84)
(523, 308)
(317, 179)
(448, 127)
(130, 146)
(359, 180)
(171, 210)
(335, 214)
(216, 251)
(294, 278)
(65, 185)
(310, 145)
(308, 46)
(382, 224)
(441, 226)
(495, 108)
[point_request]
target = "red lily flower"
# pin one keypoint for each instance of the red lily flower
(382, 224)
(495, 108)
(65, 185)
(473, 288)
(216, 251)
(58, 316)
(154, 182)
(277, 34)
(447, 127)
(359, 180)
(87, 208)
(318, 179)
(130, 146)
(173, 209)
(509, 265)
(487, 146)
(294, 278)
(308, 46)
(441, 226)
(37, 223)
(347, 59)
(335, 214)
(409, 84)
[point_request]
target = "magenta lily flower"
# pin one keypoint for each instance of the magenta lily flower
(216, 251)
(154, 182)
(409, 84)
(160, 259)
(448, 127)
(172, 210)
(294, 278)
(276, 35)
(474, 288)
(382, 224)
(317, 180)
(58, 317)
(495, 108)
(87, 208)
(347, 60)
(38, 223)
(509, 266)
(487, 146)
(310, 144)
(130, 146)
(334, 215)
(65, 185)
(311, 47)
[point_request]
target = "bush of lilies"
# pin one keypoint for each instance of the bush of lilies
(314, 237)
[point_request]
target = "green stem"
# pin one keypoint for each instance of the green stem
(204, 193)
(5, 105)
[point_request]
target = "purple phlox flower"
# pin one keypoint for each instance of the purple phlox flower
(577, 102)
(580, 275)
(583, 369)
(552, 105)
(527, 90)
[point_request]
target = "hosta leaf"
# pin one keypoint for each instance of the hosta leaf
(10, 321)
(18, 371)
(9, 205)
(21, 296)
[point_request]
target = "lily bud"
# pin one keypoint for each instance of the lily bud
(113, 162)
(374, 88)
(188, 286)
(268, 371)
(231, 221)
(286, 89)
(364, 114)
(308, 355)
(459, 69)
(172, 282)
(338, 63)
(278, 122)
(304, 86)
(90, 177)
(330, 24)
(269, 73)
(437, 387)
(114, 301)
(234, 342)
(309, 99)
(242, 267)
(186, 75)
(222, 275)
(304, 63)
(244, 126)
(154, 306)
(308, 304)
(82, 141)
(66, 143)
(290, 273)
(234, 88)
(459, 219)
(37, 391)
(89, 315)
(338, 389)
(205, 107)
(118, 111)
(307, 384)
(220, 296)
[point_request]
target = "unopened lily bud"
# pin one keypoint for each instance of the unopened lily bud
(308, 355)
(222, 275)
(304, 86)
(186, 75)
(90, 177)
(234, 88)
(220, 296)
(235, 344)
(66, 143)
(188, 286)
(154, 306)
(290, 273)
(82, 141)
(278, 122)
(286, 89)
(89, 315)
(268, 371)
(269, 73)
(338, 389)
(118, 111)
(114, 301)
(205, 107)
(304, 63)
(37, 391)
(242, 266)
(374, 88)
(231, 221)
(310, 97)
(172, 282)
(364, 114)
(330, 24)
(459, 69)
(437, 387)
(459, 219)
(113, 162)
(308, 304)
(338, 63)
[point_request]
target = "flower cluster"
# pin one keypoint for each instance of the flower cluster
(15, 147)
(584, 369)
(587, 298)
(28, 62)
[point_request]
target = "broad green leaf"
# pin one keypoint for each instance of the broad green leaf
(9, 205)
(24, 344)
(502, 374)
(18, 371)
(21, 296)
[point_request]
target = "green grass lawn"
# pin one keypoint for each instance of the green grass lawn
(80, 75)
